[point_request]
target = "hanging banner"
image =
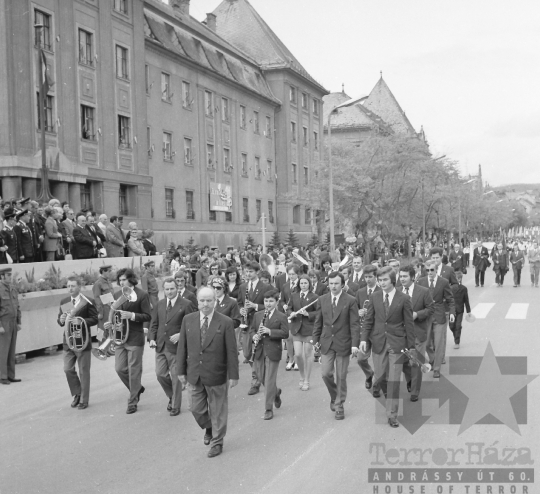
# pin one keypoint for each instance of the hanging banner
(220, 197)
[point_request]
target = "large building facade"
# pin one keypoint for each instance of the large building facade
(179, 125)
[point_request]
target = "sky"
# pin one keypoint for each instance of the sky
(467, 70)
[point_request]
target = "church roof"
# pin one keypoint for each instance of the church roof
(382, 102)
(240, 24)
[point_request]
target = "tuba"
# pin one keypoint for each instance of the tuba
(76, 329)
(118, 333)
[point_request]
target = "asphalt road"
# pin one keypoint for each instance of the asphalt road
(47, 447)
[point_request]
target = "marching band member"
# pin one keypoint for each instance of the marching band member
(288, 289)
(301, 325)
(268, 329)
(84, 308)
(128, 357)
(101, 287)
(316, 287)
(163, 336)
(10, 325)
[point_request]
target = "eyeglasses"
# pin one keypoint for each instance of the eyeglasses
(217, 287)
(432, 269)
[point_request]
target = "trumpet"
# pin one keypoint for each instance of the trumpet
(415, 361)
(76, 330)
(118, 333)
(266, 312)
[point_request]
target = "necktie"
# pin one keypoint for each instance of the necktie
(407, 290)
(356, 278)
(431, 286)
(369, 292)
(250, 287)
(386, 304)
(204, 329)
(334, 304)
(169, 305)
(73, 301)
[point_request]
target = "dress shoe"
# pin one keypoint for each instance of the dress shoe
(215, 450)
(174, 412)
(253, 390)
(76, 401)
(141, 391)
(414, 397)
(169, 406)
(393, 422)
(376, 393)
(409, 386)
(289, 366)
(82, 406)
(277, 399)
(207, 436)
(340, 414)
(456, 346)
(131, 409)
(332, 407)
(369, 382)
(436, 374)
(4, 381)
(268, 415)
(13, 380)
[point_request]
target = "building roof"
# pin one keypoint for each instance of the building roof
(382, 102)
(240, 24)
(187, 38)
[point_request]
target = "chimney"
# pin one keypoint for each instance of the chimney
(181, 6)
(211, 21)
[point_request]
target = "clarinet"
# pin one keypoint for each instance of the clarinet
(260, 336)
(244, 325)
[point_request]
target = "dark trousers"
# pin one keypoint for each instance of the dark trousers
(517, 275)
(455, 327)
(8, 345)
(535, 272)
(210, 408)
(337, 388)
(266, 371)
(413, 373)
(363, 361)
(78, 384)
(167, 376)
(153, 302)
(499, 276)
(128, 366)
(479, 277)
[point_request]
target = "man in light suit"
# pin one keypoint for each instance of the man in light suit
(115, 239)
(337, 332)
(207, 357)
(480, 263)
(357, 276)
(163, 335)
(423, 307)
(389, 325)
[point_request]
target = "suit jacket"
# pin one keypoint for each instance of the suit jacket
(52, 236)
(300, 324)
(191, 297)
(362, 295)
(135, 247)
(447, 272)
(461, 298)
(229, 307)
(351, 287)
(321, 289)
(270, 346)
(87, 311)
(477, 255)
(339, 331)
(257, 298)
(143, 313)
(96, 233)
(361, 282)
(69, 226)
(166, 324)
(280, 280)
(423, 305)
(500, 260)
(286, 294)
(517, 259)
(201, 277)
(235, 291)
(25, 240)
(456, 260)
(442, 298)
(115, 241)
(83, 247)
(216, 360)
(396, 329)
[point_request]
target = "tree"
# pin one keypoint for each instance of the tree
(292, 239)
(250, 240)
(275, 240)
(314, 240)
(191, 246)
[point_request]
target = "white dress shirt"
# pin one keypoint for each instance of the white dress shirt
(171, 302)
(411, 288)
(390, 296)
(209, 318)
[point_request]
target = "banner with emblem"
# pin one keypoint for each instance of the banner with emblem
(220, 197)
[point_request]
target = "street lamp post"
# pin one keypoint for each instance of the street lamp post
(349, 102)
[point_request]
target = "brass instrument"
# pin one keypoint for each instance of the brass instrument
(244, 325)
(118, 333)
(76, 329)
(266, 312)
(415, 361)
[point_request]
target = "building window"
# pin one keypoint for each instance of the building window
(268, 132)
(304, 101)
(212, 215)
(243, 117)
(228, 216)
(124, 131)
(308, 216)
(292, 95)
(210, 156)
(269, 172)
(48, 113)
(121, 6)
(245, 205)
(87, 123)
(188, 160)
(149, 140)
(147, 78)
(227, 159)
(258, 170)
(305, 136)
(42, 35)
(208, 104)
(167, 146)
(256, 122)
(123, 200)
(190, 213)
(306, 175)
(122, 62)
(187, 101)
(296, 215)
(225, 113)
(86, 196)
(294, 176)
(244, 165)
(258, 206)
(271, 211)
(169, 203)
(293, 131)
(86, 50)
(315, 106)
(165, 87)
(316, 141)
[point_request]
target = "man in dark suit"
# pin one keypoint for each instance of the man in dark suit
(25, 238)
(440, 291)
(269, 328)
(337, 332)
(183, 291)
(350, 287)
(96, 232)
(394, 264)
(500, 264)
(389, 325)
(447, 272)
(461, 299)
(207, 357)
(357, 275)
(10, 235)
(480, 263)
(455, 258)
(128, 357)
(363, 296)
(163, 335)
(423, 307)
(251, 300)
(84, 244)
(224, 304)
(80, 306)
